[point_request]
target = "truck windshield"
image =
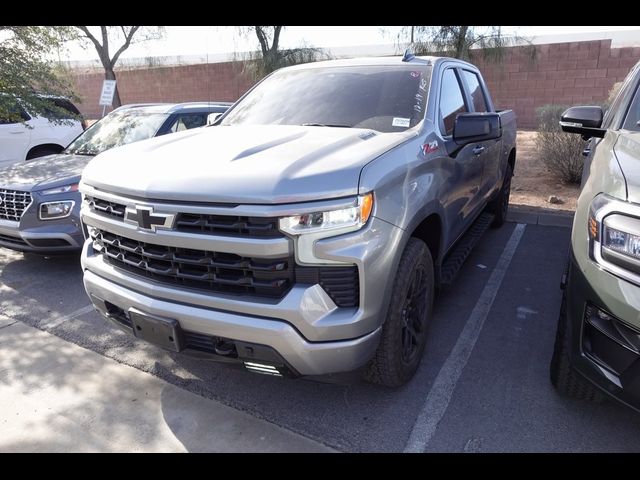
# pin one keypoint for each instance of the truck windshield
(383, 98)
(117, 128)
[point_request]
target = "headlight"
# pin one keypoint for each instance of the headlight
(619, 245)
(345, 219)
(56, 210)
(614, 236)
(63, 189)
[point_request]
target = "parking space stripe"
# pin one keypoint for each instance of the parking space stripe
(437, 401)
(59, 321)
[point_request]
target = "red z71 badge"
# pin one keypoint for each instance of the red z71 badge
(430, 147)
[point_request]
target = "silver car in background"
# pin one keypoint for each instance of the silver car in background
(39, 200)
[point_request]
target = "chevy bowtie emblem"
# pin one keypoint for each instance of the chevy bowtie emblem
(146, 219)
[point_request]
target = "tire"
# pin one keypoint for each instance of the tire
(42, 152)
(404, 331)
(500, 205)
(563, 377)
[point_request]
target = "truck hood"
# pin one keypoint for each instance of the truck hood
(255, 164)
(627, 151)
(45, 172)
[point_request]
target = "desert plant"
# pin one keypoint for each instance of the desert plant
(561, 152)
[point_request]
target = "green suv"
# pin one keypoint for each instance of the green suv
(597, 347)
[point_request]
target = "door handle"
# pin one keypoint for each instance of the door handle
(586, 152)
(478, 150)
(17, 132)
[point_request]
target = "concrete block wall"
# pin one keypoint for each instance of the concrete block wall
(561, 73)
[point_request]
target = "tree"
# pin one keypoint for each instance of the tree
(117, 39)
(462, 41)
(270, 57)
(26, 72)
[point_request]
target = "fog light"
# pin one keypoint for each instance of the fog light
(262, 368)
(55, 210)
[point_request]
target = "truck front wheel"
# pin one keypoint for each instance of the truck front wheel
(404, 331)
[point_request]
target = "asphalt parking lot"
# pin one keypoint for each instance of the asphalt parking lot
(482, 387)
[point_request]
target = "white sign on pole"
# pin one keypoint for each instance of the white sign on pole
(108, 90)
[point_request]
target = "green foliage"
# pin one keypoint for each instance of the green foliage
(561, 152)
(270, 57)
(27, 72)
(463, 42)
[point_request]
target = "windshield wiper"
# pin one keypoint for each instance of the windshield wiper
(89, 153)
(325, 125)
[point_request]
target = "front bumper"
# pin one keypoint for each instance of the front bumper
(605, 351)
(48, 237)
(303, 357)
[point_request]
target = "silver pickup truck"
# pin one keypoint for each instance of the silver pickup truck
(306, 232)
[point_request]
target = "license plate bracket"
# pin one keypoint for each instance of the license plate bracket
(163, 332)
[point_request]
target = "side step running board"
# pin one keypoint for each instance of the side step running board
(453, 263)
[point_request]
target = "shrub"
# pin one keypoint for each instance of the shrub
(561, 152)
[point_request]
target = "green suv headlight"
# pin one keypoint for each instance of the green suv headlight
(621, 241)
(614, 236)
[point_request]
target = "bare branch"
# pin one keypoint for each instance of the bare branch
(126, 44)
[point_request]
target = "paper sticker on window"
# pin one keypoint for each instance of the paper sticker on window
(400, 122)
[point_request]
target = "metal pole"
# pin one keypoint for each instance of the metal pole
(104, 107)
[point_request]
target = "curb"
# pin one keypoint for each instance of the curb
(540, 216)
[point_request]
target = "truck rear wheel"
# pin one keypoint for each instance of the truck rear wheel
(404, 331)
(500, 205)
(564, 378)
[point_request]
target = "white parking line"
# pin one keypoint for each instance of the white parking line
(59, 321)
(437, 401)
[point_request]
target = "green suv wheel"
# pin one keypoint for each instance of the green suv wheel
(564, 378)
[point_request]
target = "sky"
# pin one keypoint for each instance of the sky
(200, 40)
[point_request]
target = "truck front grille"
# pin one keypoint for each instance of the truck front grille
(262, 227)
(13, 203)
(199, 269)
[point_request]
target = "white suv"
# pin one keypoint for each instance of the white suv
(36, 136)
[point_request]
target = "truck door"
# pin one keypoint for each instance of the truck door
(464, 169)
(487, 153)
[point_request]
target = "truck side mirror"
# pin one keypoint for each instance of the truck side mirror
(583, 120)
(212, 118)
(476, 127)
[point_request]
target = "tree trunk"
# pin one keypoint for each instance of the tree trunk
(461, 41)
(109, 74)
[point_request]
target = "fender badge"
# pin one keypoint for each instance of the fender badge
(430, 147)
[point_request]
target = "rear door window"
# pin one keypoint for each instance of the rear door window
(475, 91)
(451, 101)
(187, 121)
